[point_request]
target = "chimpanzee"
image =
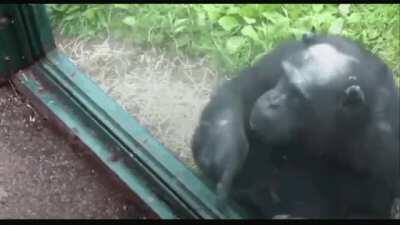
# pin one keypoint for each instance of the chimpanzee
(350, 97)
(311, 130)
(221, 142)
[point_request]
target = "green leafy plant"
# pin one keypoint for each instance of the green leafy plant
(233, 35)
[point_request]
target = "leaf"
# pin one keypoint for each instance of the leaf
(354, 18)
(344, 9)
(274, 17)
(233, 10)
(317, 7)
(269, 7)
(235, 43)
(250, 32)
(179, 25)
(182, 41)
(179, 29)
(248, 11)
(121, 6)
(210, 8)
(257, 58)
(249, 20)
(69, 17)
(201, 19)
(298, 32)
(324, 17)
(228, 22)
(157, 39)
(337, 26)
(285, 12)
(213, 12)
(102, 22)
(72, 9)
(129, 20)
(90, 14)
(373, 34)
(262, 29)
(180, 22)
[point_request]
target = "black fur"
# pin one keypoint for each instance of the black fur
(330, 152)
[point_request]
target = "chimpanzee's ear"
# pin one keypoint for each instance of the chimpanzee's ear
(309, 36)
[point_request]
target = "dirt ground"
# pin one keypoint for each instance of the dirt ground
(165, 92)
(42, 177)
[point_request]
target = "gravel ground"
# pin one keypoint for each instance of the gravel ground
(41, 176)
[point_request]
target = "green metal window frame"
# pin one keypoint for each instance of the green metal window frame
(94, 121)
